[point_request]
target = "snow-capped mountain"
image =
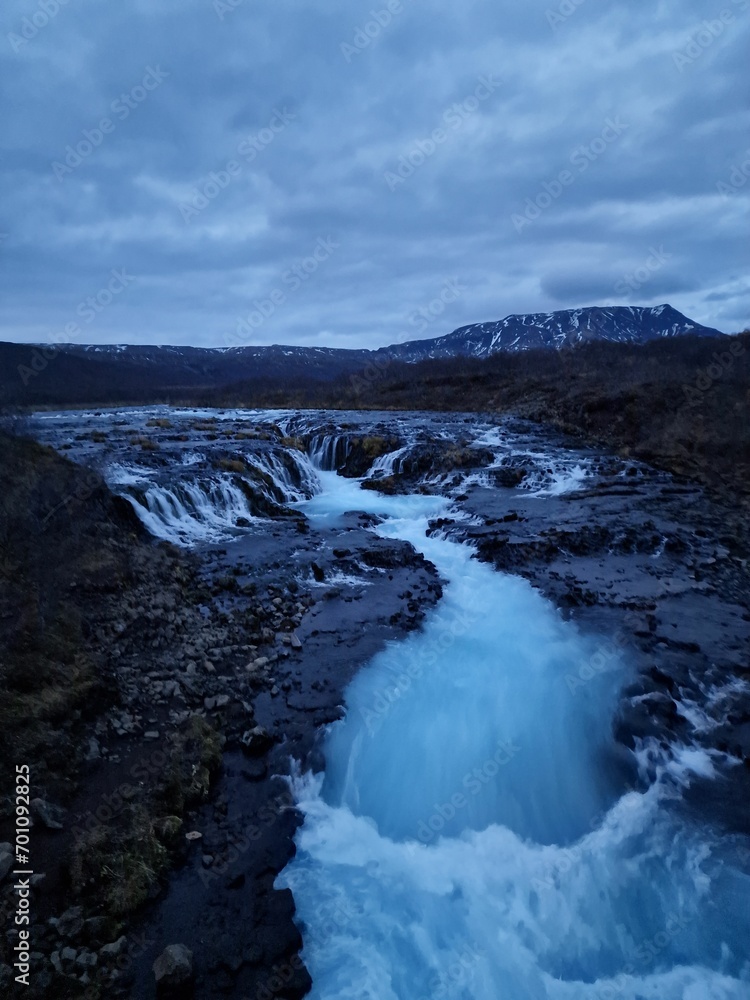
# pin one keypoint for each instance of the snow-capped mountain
(624, 324)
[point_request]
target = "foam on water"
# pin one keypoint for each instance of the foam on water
(564, 481)
(337, 578)
(477, 834)
(127, 475)
(337, 496)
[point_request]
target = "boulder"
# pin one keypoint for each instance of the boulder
(174, 967)
(257, 741)
(167, 828)
(508, 476)
(6, 863)
(98, 930)
(70, 924)
(47, 814)
(6, 859)
(109, 952)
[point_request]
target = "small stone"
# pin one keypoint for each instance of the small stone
(115, 948)
(68, 954)
(254, 770)
(6, 863)
(98, 929)
(296, 642)
(152, 734)
(252, 954)
(193, 835)
(87, 960)
(70, 924)
(174, 966)
(166, 828)
(47, 814)
(256, 741)
(208, 860)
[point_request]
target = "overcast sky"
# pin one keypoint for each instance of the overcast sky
(264, 171)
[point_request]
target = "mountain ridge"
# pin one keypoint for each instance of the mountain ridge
(114, 372)
(562, 328)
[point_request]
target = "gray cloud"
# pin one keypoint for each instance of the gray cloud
(274, 126)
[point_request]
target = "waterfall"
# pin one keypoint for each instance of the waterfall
(187, 512)
(299, 482)
(388, 464)
(214, 508)
(329, 451)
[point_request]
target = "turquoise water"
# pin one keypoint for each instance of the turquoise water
(477, 834)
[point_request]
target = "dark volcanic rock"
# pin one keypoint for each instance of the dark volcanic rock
(363, 451)
(257, 741)
(443, 456)
(508, 476)
(173, 968)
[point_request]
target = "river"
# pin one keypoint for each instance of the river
(477, 835)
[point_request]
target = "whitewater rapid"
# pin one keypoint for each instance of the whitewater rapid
(478, 834)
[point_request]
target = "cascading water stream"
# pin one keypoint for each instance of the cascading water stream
(187, 512)
(212, 507)
(292, 484)
(388, 464)
(477, 836)
(328, 451)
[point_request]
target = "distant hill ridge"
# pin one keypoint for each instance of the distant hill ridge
(117, 372)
